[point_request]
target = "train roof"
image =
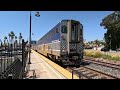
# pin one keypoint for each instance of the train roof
(57, 25)
(70, 20)
(49, 31)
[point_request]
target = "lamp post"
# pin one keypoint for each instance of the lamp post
(37, 14)
(110, 42)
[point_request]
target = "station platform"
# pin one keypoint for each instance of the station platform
(43, 68)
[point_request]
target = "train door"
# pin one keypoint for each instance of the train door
(74, 38)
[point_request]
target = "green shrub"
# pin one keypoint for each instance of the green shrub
(116, 58)
(104, 56)
(99, 55)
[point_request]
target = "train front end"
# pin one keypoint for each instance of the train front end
(71, 42)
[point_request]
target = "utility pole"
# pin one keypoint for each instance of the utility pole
(30, 41)
(37, 15)
(110, 42)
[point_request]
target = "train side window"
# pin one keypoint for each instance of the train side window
(64, 29)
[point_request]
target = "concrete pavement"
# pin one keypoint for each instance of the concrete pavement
(40, 69)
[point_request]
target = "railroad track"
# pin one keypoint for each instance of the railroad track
(88, 73)
(96, 69)
(101, 60)
(111, 65)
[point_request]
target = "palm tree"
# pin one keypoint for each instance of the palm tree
(15, 37)
(20, 38)
(12, 36)
(9, 37)
(10, 42)
(1, 44)
(5, 38)
(16, 40)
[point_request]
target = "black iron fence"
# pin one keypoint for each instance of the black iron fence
(13, 59)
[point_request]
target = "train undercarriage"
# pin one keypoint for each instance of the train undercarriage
(67, 60)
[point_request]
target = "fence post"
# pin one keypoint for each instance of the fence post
(72, 74)
(79, 76)
(1, 60)
(23, 57)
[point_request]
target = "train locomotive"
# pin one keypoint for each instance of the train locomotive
(63, 43)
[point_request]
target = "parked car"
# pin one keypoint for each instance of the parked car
(118, 49)
(104, 49)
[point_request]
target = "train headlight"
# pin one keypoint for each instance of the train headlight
(63, 50)
(63, 38)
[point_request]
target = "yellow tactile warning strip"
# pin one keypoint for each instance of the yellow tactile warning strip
(63, 71)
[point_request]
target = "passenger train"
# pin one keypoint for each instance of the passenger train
(63, 43)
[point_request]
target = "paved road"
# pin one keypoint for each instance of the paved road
(41, 69)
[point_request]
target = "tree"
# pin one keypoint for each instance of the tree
(15, 37)
(20, 37)
(12, 36)
(1, 44)
(5, 38)
(9, 37)
(16, 40)
(112, 24)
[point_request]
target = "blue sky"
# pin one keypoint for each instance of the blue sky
(18, 21)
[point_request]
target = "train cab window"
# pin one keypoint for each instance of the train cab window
(80, 31)
(73, 32)
(64, 29)
(81, 26)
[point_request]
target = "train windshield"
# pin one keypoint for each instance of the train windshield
(64, 29)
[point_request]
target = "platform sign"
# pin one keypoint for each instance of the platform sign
(33, 42)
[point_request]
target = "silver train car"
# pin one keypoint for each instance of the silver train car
(63, 43)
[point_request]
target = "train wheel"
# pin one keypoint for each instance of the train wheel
(48, 56)
(63, 64)
(53, 58)
(77, 66)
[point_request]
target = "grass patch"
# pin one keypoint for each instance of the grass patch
(100, 55)
(117, 58)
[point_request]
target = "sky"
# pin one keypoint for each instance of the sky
(19, 22)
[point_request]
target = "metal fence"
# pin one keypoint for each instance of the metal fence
(13, 58)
